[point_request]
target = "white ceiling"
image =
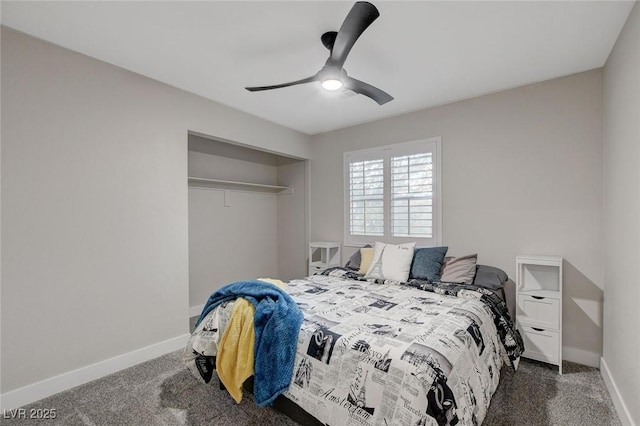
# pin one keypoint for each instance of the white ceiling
(423, 53)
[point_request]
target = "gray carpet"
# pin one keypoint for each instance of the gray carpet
(537, 395)
(163, 392)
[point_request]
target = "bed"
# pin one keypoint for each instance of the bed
(380, 352)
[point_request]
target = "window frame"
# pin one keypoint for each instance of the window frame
(386, 152)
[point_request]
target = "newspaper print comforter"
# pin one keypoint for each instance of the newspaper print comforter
(389, 354)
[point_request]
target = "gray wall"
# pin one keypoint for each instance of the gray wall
(94, 206)
(233, 242)
(293, 221)
(622, 213)
(522, 174)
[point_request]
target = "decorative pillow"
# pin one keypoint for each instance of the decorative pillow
(460, 269)
(391, 262)
(366, 256)
(355, 259)
(427, 263)
(490, 277)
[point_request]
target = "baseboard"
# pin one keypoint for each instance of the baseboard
(195, 311)
(581, 357)
(36, 391)
(618, 402)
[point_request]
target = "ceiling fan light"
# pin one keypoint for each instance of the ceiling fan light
(332, 84)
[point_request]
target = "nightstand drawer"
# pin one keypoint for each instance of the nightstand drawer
(540, 344)
(538, 311)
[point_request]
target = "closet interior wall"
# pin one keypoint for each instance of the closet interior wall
(243, 232)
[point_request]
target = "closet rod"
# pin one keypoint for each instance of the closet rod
(259, 186)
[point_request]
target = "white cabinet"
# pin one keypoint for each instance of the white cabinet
(323, 255)
(539, 307)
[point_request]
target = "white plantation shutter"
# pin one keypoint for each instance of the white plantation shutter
(412, 195)
(366, 189)
(392, 194)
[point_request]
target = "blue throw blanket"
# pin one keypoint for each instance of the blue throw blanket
(277, 322)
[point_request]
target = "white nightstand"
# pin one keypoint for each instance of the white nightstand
(539, 307)
(323, 255)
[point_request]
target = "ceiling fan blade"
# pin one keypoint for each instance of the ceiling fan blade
(361, 15)
(278, 86)
(380, 96)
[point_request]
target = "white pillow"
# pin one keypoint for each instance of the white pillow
(391, 262)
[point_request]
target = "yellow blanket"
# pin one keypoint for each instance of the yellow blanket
(234, 361)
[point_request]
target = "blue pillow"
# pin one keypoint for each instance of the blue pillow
(427, 263)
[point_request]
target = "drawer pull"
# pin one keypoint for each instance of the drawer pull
(538, 329)
(538, 297)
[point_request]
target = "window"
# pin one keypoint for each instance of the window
(392, 194)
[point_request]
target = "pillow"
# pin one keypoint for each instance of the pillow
(366, 256)
(460, 269)
(427, 263)
(391, 262)
(355, 259)
(490, 277)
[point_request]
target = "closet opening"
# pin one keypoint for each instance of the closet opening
(248, 216)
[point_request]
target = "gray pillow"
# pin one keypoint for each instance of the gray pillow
(460, 269)
(427, 263)
(355, 259)
(490, 277)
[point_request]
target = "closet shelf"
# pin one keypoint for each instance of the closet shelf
(231, 184)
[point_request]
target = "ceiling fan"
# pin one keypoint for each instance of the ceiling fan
(333, 76)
